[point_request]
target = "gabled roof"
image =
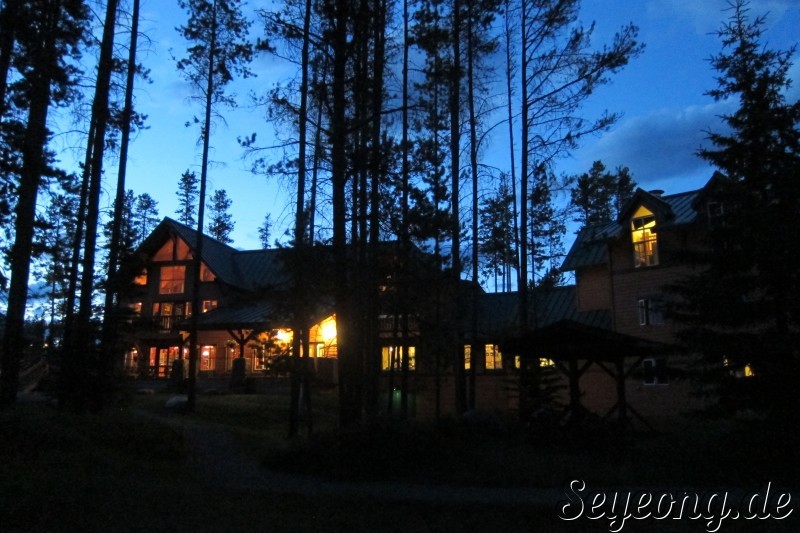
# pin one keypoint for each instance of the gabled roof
(591, 245)
(249, 270)
(654, 202)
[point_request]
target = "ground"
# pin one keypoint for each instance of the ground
(140, 467)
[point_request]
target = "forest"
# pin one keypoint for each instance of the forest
(382, 125)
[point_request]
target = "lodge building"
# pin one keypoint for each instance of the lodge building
(607, 333)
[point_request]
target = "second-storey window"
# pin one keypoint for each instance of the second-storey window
(645, 241)
(650, 311)
(172, 279)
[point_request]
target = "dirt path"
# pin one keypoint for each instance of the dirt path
(221, 462)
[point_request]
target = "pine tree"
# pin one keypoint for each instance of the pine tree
(51, 40)
(217, 35)
(265, 232)
(743, 308)
(547, 230)
(54, 238)
(497, 237)
(220, 221)
(121, 239)
(145, 216)
(187, 198)
(598, 196)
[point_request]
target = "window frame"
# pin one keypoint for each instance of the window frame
(655, 371)
(394, 363)
(650, 311)
(644, 237)
(169, 285)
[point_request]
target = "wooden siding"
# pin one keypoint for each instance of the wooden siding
(593, 288)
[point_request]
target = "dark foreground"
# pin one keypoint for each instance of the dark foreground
(139, 468)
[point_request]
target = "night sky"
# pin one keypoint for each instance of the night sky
(660, 94)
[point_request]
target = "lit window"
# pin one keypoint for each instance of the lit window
(206, 274)
(494, 359)
(467, 356)
(655, 371)
(208, 354)
(172, 279)
(650, 312)
(392, 358)
(136, 308)
(737, 371)
(259, 357)
(546, 362)
(645, 241)
(141, 279)
(208, 305)
(324, 331)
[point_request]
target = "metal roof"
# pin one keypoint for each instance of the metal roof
(591, 246)
(499, 312)
(570, 340)
(262, 315)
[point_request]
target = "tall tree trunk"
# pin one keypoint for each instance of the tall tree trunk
(455, 174)
(198, 256)
(405, 237)
(100, 117)
(373, 362)
(71, 358)
(299, 370)
(473, 161)
(522, 285)
(30, 179)
(511, 150)
(349, 375)
(110, 344)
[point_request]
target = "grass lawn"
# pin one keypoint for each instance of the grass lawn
(125, 471)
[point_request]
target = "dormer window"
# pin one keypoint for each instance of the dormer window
(644, 238)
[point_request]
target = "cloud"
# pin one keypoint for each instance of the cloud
(708, 16)
(661, 145)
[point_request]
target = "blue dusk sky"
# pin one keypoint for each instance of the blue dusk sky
(660, 95)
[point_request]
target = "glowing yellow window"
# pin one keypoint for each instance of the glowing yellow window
(392, 358)
(494, 359)
(644, 238)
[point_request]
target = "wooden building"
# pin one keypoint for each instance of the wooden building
(620, 270)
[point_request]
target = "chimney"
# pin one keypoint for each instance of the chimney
(657, 192)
